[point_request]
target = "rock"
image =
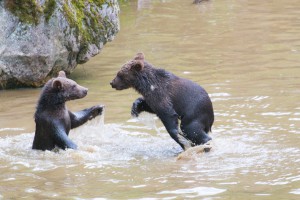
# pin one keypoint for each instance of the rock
(194, 152)
(38, 38)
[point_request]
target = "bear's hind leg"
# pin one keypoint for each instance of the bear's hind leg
(195, 132)
(171, 124)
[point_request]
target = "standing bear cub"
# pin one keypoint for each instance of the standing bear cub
(52, 118)
(169, 97)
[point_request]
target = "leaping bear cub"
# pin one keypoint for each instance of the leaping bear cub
(171, 98)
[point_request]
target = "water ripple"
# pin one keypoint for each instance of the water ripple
(195, 192)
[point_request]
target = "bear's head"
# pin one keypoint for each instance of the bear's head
(128, 73)
(67, 88)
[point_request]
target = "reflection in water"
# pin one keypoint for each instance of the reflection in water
(245, 54)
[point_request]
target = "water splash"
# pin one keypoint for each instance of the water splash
(11, 129)
(135, 143)
(98, 144)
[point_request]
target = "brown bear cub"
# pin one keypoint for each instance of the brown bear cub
(52, 118)
(171, 98)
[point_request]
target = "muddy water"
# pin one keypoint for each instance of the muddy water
(245, 53)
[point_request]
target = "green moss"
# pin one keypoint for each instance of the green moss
(99, 2)
(28, 11)
(49, 8)
(87, 22)
(82, 15)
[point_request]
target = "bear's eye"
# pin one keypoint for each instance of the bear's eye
(73, 86)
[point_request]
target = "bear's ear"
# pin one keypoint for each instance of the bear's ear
(61, 74)
(137, 65)
(139, 56)
(57, 84)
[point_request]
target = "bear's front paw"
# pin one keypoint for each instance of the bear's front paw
(97, 110)
(136, 107)
(134, 112)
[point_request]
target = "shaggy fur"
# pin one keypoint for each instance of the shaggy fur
(53, 119)
(171, 98)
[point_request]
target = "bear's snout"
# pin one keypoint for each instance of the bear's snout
(85, 91)
(118, 84)
(82, 92)
(112, 84)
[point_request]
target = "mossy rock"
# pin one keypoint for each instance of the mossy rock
(42, 37)
(30, 11)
